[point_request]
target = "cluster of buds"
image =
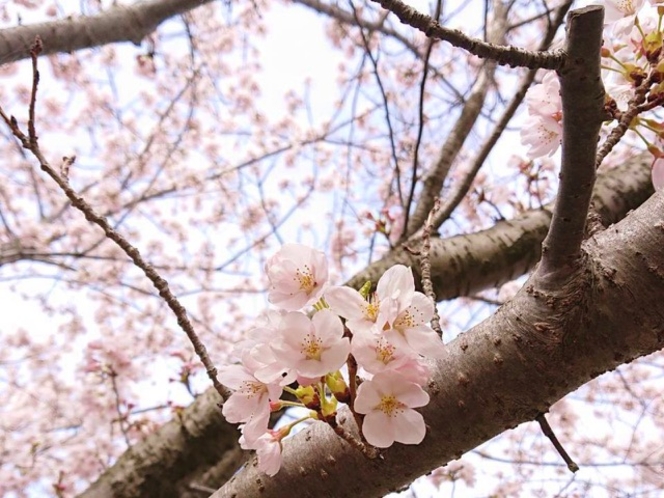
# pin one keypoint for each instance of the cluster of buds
(380, 341)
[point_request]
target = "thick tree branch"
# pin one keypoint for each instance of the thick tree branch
(582, 95)
(512, 56)
(167, 462)
(503, 372)
(118, 24)
(154, 465)
(465, 264)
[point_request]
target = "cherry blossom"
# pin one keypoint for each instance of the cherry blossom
(411, 329)
(297, 276)
(394, 293)
(265, 366)
(544, 98)
(375, 353)
(542, 130)
(395, 309)
(620, 14)
(250, 403)
(542, 134)
(312, 347)
(387, 401)
(268, 449)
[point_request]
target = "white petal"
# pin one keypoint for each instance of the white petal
(378, 430)
(345, 302)
(397, 283)
(409, 427)
(425, 341)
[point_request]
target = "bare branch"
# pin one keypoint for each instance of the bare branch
(425, 264)
(122, 23)
(504, 55)
(472, 108)
(466, 264)
(548, 432)
(453, 198)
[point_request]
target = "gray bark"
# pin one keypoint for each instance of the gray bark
(553, 337)
(117, 24)
(460, 265)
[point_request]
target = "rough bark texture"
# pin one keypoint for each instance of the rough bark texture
(154, 466)
(167, 462)
(550, 339)
(118, 24)
(466, 264)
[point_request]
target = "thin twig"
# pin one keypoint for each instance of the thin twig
(461, 189)
(548, 432)
(420, 124)
(386, 106)
(505, 55)
(634, 108)
(425, 265)
(351, 363)
(30, 142)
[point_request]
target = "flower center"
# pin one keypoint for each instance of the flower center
(306, 279)
(251, 389)
(385, 352)
(390, 406)
(311, 347)
(404, 321)
(371, 309)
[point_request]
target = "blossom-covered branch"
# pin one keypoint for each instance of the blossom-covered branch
(503, 372)
(616, 192)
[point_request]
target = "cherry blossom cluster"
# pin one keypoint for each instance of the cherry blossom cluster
(378, 339)
(634, 80)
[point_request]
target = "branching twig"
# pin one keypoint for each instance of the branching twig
(425, 264)
(548, 432)
(582, 95)
(634, 108)
(453, 199)
(435, 178)
(30, 142)
(505, 55)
